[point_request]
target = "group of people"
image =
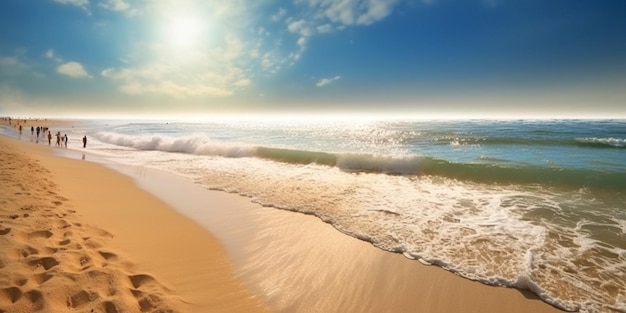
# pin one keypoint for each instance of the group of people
(62, 140)
(45, 132)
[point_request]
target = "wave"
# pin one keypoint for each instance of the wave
(409, 165)
(589, 142)
(602, 142)
(194, 144)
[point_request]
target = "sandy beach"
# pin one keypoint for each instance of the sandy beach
(80, 237)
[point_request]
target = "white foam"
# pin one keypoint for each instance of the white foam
(193, 144)
(610, 141)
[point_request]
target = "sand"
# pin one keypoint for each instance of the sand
(77, 236)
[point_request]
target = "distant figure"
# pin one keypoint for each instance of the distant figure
(38, 130)
(85, 142)
(65, 140)
(20, 130)
(49, 138)
(58, 139)
(32, 131)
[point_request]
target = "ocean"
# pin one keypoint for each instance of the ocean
(531, 204)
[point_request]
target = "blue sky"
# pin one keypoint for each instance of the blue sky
(448, 58)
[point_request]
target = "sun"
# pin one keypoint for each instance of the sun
(184, 29)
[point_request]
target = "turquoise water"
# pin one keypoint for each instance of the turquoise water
(537, 205)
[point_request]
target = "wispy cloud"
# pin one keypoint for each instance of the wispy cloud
(50, 55)
(118, 6)
(16, 66)
(83, 4)
(12, 62)
(325, 16)
(326, 81)
(217, 73)
(73, 69)
(352, 12)
(280, 15)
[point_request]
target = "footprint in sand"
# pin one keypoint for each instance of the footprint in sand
(47, 263)
(42, 278)
(147, 302)
(81, 298)
(40, 234)
(141, 280)
(108, 255)
(36, 298)
(28, 251)
(10, 294)
(110, 307)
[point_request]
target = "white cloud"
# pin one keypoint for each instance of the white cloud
(302, 42)
(83, 4)
(301, 27)
(243, 83)
(353, 12)
(326, 81)
(279, 15)
(118, 6)
(326, 28)
(50, 55)
(214, 73)
(73, 69)
(115, 5)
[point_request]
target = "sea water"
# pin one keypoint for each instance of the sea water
(531, 204)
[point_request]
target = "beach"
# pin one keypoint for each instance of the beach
(80, 236)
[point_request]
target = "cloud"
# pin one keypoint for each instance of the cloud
(118, 6)
(301, 27)
(214, 73)
(326, 28)
(50, 55)
(83, 4)
(13, 62)
(15, 66)
(115, 5)
(73, 69)
(326, 81)
(279, 15)
(326, 16)
(353, 12)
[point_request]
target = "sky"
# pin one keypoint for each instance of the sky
(430, 58)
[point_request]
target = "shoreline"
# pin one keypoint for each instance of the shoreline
(293, 261)
(159, 261)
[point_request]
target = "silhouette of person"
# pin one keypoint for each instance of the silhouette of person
(49, 138)
(84, 141)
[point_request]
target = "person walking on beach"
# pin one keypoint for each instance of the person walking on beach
(65, 140)
(49, 138)
(32, 131)
(84, 141)
(58, 139)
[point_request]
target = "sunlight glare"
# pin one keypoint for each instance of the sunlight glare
(185, 30)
